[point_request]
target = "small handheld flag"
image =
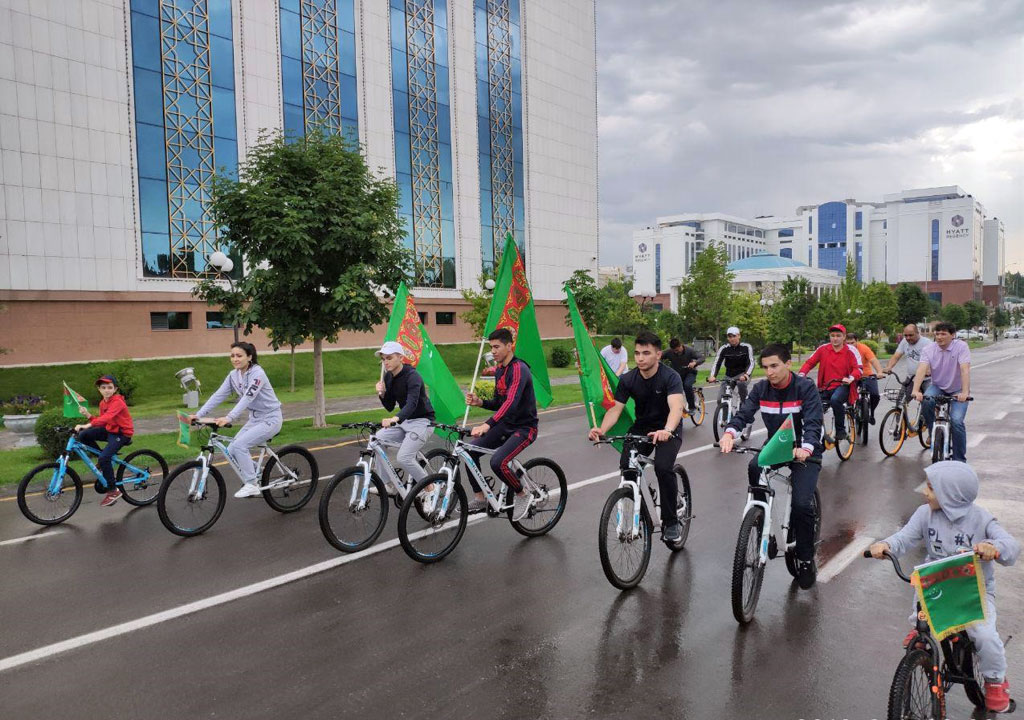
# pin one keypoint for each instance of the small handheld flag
(74, 404)
(952, 593)
(779, 449)
(184, 430)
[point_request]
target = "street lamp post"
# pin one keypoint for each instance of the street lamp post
(224, 265)
(645, 298)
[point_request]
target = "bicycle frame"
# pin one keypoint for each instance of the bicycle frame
(764, 486)
(728, 387)
(941, 419)
(82, 450)
(641, 493)
(376, 451)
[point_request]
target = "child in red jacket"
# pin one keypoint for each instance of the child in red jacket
(114, 425)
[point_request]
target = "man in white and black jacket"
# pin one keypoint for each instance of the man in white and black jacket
(738, 360)
(787, 395)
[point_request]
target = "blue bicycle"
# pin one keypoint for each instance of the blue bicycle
(51, 493)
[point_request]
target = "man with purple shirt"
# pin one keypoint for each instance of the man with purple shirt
(948, 360)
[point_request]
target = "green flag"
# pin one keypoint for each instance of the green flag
(597, 381)
(184, 430)
(405, 328)
(512, 308)
(74, 404)
(952, 593)
(779, 448)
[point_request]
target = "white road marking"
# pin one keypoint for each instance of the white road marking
(999, 415)
(997, 360)
(242, 592)
(977, 439)
(29, 538)
(844, 557)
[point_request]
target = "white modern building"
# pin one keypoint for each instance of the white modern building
(115, 115)
(765, 275)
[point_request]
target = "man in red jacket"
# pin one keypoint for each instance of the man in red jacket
(113, 424)
(840, 363)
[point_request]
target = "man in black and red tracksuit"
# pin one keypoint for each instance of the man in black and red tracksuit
(513, 427)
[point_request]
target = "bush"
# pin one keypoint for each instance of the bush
(560, 357)
(890, 347)
(23, 405)
(873, 344)
(124, 372)
(50, 439)
(484, 389)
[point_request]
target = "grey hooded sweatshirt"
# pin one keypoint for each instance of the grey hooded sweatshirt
(254, 394)
(959, 525)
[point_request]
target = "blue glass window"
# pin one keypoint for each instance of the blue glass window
(935, 250)
(786, 253)
(860, 262)
(657, 268)
(832, 236)
(858, 220)
(786, 232)
(810, 224)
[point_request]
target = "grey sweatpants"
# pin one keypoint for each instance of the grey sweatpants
(253, 433)
(413, 435)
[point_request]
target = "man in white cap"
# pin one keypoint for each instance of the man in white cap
(404, 387)
(738, 359)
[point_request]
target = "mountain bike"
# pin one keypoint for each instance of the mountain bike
(632, 514)
(698, 412)
(897, 425)
(354, 505)
(51, 493)
(434, 514)
(929, 669)
(942, 437)
(728, 404)
(758, 542)
(844, 447)
(192, 497)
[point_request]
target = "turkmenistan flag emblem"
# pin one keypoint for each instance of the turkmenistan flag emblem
(779, 448)
(951, 592)
(74, 404)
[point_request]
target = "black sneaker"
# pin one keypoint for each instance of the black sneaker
(806, 574)
(840, 435)
(671, 533)
(871, 419)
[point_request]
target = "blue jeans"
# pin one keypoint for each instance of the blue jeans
(115, 441)
(837, 401)
(957, 414)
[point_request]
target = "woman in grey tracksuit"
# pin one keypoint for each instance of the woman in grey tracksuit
(250, 383)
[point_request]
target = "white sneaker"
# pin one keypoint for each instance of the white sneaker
(521, 506)
(249, 490)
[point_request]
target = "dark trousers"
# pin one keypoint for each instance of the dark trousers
(837, 401)
(664, 460)
(115, 441)
(691, 400)
(804, 479)
(509, 443)
(869, 385)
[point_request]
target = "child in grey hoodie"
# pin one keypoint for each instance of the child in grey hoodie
(948, 524)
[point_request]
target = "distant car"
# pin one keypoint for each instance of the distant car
(1012, 333)
(962, 335)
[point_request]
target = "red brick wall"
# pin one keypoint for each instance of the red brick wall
(953, 291)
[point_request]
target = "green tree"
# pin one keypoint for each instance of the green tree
(1014, 283)
(619, 313)
(479, 305)
(746, 313)
(977, 313)
(911, 303)
(704, 293)
(881, 311)
(955, 314)
(1000, 319)
(668, 325)
(788, 321)
(584, 289)
(320, 233)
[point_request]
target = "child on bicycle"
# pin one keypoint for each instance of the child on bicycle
(113, 425)
(950, 523)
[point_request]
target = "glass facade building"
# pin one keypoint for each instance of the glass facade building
(832, 236)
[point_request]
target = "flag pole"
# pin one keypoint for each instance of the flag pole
(593, 415)
(472, 385)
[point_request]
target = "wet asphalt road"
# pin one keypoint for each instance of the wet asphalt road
(505, 627)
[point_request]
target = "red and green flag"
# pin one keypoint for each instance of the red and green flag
(597, 380)
(405, 328)
(184, 430)
(75, 405)
(951, 592)
(512, 308)
(779, 449)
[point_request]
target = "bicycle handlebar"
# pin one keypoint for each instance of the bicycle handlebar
(752, 450)
(460, 429)
(361, 426)
(211, 424)
(628, 437)
(895, 564)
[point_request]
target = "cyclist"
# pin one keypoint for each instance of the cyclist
(786, 395)
(513, 427)
(615, 356)
(403, 386)
(838, 362)
(911, 346)
(114, 425)
(872, 370)
(948, 360)
(658, 392)
(250, 383)
(947, 524)
(738, 359)
(684, 360)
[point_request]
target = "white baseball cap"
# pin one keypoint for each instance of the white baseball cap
(390, 348)
(732, 330)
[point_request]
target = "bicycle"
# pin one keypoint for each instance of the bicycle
(698, 413)
(58, 487)
(896, 425)
(437, 526)
(632, 514)
(757, 542)
(189, 504)
(356, 518)
(929, 669)
(942, 442)
(862, 416)
(844, 447)
(726, 410)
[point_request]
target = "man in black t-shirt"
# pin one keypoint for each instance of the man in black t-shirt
(684, 360)
(658, 393)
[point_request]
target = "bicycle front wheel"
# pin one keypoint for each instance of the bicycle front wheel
(140, 477)
(892, 432)
(625, 550)
(189, 503)
(347, 521)
(916, 692)
(289, 481)
(429, 528)
(863, 420)
(46, 499)
(700, 409)
(546, 481)
(747, 569)
(938, 443)
(719, 421)
(924, 434)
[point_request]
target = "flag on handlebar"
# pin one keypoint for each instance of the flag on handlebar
(951, 592)
(405, 328)
(597, 381)
(75, 405)
(779, 448)
(184, 431)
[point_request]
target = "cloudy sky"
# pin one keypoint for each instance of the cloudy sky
(753, 108)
